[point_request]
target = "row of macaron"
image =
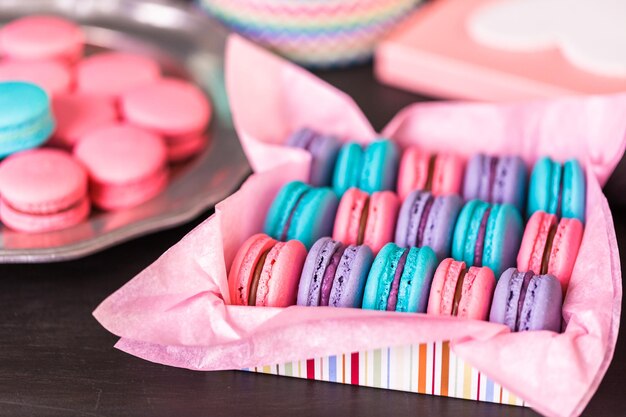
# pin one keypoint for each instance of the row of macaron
(553, 187)
(476, 232)
(266, 272)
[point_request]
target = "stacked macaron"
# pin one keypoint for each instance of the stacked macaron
(316, 33)
(449, 249)
(114, 121)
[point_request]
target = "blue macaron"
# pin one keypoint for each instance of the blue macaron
(372, 169)
(301, 212)
(400, 279)
(25, 117)
(488, 235)
(557, 189)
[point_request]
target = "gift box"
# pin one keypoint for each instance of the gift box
(177, 312)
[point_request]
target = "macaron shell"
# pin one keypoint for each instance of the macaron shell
(324, 150)
(510, 183)
(530, 256)
(112, 74)
(574, 191)
(477, 292)
(42, 37)
(36, 223)
(278, 283)
(416, 280)
(110, 196)
(168, 106)
(53, 76)
(409, 218)
(542, 305)
(42, 181)
(243, 266)
(381, 220)
(380, 166)
(348, 218)
(473, 177)
(282, 207)
(347, 168)
(381, 274)
(462, 226)
(540, 192)
(179, 150)
(413, 171)
(567, 239)
(313, 271)
(502, 238)
(443, 287)
(448, 174)
(351, 276)
(314, 216)
(505, 301)
(440, 224)
(473, 231)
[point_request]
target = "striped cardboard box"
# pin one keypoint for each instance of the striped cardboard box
(429, 368)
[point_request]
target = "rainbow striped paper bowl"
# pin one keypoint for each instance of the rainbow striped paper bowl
(315, 33)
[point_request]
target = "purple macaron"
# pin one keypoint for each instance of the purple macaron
(426, 220)
(323, 149)
(334, 274)
(496, 179)
(525, 301)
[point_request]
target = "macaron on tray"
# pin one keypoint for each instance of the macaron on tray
(466, 235)
(91, 137)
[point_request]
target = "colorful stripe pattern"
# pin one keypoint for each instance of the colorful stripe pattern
(314, 33)
(425, 369)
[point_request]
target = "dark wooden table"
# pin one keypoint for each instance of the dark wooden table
(55, 359)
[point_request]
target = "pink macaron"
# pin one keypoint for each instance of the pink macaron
(181, 149)
(51, 75)
(112, 73)
(439, 173)
(174, 108)
(42, 190)
(266, 272)
(42, 38)
(126, 164)
(77, 115)
(460, 291)
(550, 246)
(366, 220)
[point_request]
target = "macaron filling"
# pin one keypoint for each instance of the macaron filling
(493, 174)
(480, 239)
(392, 300)
(423, 221)
(342, 274)
(329, 275)
(547, 250)
(458, 292)
(254, 284)
(430, 173)
(526, 279)
(290, 215)
(363, 222)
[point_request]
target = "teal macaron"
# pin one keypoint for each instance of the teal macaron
(372, 169)
(400, 279)
(488, 235)
(25, 117)
(557, 189)
(301, 212)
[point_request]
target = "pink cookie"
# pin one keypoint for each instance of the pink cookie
(181, 149)
(42, 38)
(42, 190)
(113, 73)
(127, 165)
(51, 75)
(77, 115)
(173, 108)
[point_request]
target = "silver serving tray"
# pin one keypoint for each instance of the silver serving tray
(187, 44)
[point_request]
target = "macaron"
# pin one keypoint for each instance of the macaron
(557, 189)
(427, 220)
(372, 169)
(180, 149)
(78, 115)
(334, 274)
(266, 272)
(42, 37)
(364, 219)
(460, 291)
(301, 212)
(550, 246)
(25, 117)
(400, 279)
(51, 75)
(438, 173)
(42, 190)
(527, 301)
(496, 179)
(110, 74)
(172, 108)
(487, 235)
(323, 149)
(127, 165)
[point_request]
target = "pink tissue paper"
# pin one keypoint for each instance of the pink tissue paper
(176, 311)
